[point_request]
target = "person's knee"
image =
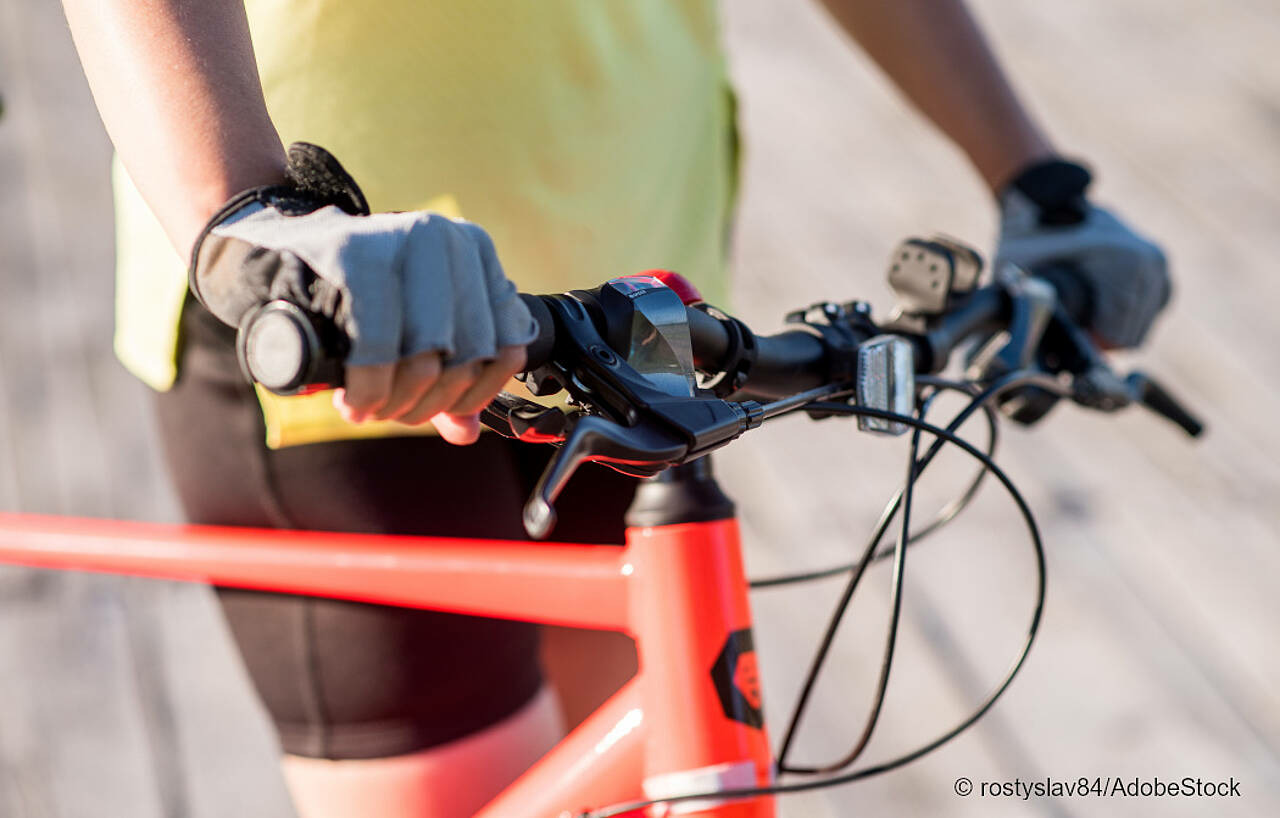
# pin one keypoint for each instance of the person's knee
(451, 780)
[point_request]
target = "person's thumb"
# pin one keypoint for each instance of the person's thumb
(460, 430)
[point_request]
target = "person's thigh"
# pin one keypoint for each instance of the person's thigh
(345, 679)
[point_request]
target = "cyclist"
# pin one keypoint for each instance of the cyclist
(589, 139)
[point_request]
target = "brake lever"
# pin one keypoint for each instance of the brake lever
(1032, 305)
(1098, 386)
(1062, 346)
(642, 450)
(515, 417)
(1034, 316)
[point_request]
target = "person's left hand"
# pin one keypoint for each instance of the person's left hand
(1046, 221)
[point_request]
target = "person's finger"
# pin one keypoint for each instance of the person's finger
(414, 376)
(473, 336)
(366, 389)
(451, 385)
(493, 377)
(460, 430)
(512, 322)
(427, 286)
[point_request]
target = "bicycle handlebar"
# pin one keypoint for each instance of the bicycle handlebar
(289, 351)
(628, 350)
(286, 350)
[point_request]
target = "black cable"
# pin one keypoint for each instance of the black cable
(876, 769)
(952, 510)
(868, 557)
(837, 617)
(949, 512)
(946, 515)
(841, 608)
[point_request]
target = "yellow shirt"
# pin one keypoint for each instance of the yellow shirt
(591, 138)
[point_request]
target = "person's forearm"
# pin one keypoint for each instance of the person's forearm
(934, 52)
(178, 89)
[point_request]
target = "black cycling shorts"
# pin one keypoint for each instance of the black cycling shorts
(346, 679)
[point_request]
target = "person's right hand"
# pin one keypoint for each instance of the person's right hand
(436, 328)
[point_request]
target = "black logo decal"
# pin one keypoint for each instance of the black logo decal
(737, 679)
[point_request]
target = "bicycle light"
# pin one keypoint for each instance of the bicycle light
(886, 380)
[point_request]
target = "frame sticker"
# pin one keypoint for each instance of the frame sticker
(736, 676)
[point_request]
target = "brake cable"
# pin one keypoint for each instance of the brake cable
(952, 509)
(900, 500)
(940, 435)
(982, 400)
(837, 617)
(948, 512)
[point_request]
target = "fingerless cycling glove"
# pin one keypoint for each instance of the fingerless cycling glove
(396, 284)
(1047, 222)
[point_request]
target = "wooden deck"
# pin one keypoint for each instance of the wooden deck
(1159, 654)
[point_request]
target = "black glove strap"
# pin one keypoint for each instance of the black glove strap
(315, 180)
(1057, 188)
(314, 171)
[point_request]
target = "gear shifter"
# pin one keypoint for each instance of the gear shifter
(646, 412)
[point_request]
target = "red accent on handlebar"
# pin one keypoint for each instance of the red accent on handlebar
(684, 288)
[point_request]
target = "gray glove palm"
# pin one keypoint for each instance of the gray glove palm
(1045, 221)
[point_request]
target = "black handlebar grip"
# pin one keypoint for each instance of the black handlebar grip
(289, 350)
(1157, 399)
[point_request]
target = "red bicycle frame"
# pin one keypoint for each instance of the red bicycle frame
(690, 721)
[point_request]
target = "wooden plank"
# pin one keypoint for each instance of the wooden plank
(68, 302)
(71, 733)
